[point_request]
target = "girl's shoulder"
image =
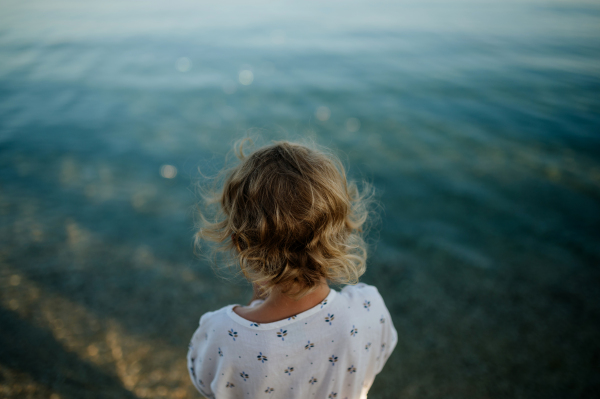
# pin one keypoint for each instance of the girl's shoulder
(363, 296)
(361, 290)
(360, 287)
(215, 316)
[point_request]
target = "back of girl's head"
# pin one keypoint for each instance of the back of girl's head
(290, 218)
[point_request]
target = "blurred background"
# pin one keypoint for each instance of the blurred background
(477, 121)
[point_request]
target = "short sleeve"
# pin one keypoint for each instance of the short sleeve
(372, 302)
(194, 360)
(389, 337)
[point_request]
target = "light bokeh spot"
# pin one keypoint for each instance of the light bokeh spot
(183, 64)
(168, 171)
(246, 77)
(323, 113)
(15, 280)
(92, 350)
(352, 125)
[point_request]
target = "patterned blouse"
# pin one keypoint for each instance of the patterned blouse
(333, 350)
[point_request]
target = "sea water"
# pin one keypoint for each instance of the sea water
(477, 122)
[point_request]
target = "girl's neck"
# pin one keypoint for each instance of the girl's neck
(278, 306)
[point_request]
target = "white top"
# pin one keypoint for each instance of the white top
(333, 350)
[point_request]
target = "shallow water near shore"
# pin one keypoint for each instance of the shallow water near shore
(477, 122)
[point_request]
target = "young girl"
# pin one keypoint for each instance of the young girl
(293, 223)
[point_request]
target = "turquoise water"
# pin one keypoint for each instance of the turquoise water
(477, 122)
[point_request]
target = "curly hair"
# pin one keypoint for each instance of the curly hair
(290, 219)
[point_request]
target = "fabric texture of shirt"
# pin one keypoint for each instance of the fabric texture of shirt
(333, 350)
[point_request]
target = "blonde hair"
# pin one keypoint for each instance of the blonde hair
(290, 218)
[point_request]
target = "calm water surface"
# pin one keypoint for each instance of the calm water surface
(478, 123)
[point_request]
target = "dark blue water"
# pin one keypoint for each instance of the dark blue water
(477, 122)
